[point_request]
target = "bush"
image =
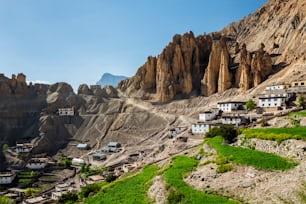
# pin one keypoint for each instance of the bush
(31, 191)
(174, 197)
(264, 123)
(88, 189)
(224, 168)
(6, 200)
(5, 147)
(228, 132)
(250, 104)
(110, 178)
(301, 101)
(68, 198)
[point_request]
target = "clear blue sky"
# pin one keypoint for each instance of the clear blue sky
(76, 41)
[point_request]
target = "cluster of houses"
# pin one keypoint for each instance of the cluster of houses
(274, 97)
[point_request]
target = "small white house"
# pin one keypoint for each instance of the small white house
(175, 131)
(114, 144)
(275, 87)
(83, 146)
(232, 120)
(207, 116)
(229, 106)
(99, 156)
(7, 177)
(57, 195)
(66, 111)
(23, 148)
(62, 187)
(271, 101)
(77, 162)
(201, 127)
(37, 163)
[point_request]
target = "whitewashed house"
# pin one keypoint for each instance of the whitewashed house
(229, 106)
(77, 162)
(272, 101)
(275, 87)
(23, 148)
(83, 146)
(202, 127)
(7, 177)
(66, 111)
(37, 163)
(56, 195)
(233, 120)
(175, 131)
(209, 115)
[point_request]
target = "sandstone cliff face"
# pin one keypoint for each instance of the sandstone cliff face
(176, 71)
(217, 76)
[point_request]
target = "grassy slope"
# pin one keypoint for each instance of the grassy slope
(301, 113)
(174, 177)
(257, 159)
(277, 134)
(130, 190)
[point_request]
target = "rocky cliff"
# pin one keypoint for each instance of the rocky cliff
(242, 55)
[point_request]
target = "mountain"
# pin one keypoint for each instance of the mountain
(242, 55)
(108, 79)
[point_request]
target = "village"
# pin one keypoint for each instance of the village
(61, 175)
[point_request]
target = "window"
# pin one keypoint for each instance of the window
(275, 104)
(275, 99)
(269, 104)
(302, 83)
(296, 84)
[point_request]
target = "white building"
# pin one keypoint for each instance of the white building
(201, 128)
(23, 147)
(77, 162)
(229, 106)
(66, 111)
(232, 120)
(209, 115)
(175, 131)
(272, 101)
(275, 87)
(56, 195)
(37, 163)
(83, 146)
(7, 177)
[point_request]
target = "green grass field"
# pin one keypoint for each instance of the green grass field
(186, 194)
(128, 191)
(276, 134)
(301, 113)
(244, 156)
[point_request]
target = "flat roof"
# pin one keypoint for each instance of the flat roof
(6, 174)
(113, 143)
(82, 145)
(223, 102)
(35, 200)
(267, 97)
(99, 154)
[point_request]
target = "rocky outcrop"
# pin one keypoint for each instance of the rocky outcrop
(261, 65)
(244, 76)
(177, 71)
(217, 76)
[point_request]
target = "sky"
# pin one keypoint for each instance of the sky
(76, 41)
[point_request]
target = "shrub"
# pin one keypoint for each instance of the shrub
(68, 198)
(111, 178)
(31, 191)
(250, 104)
(228, 132)
(301, 101)
(88, 189)
(264, 123)
(6, 200)
(5, 147)
(224, 168)
(174, 197)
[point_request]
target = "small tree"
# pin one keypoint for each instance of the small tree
(5, 147)
(31, 191)
(228, 132)
(301, 101)
(250, 104)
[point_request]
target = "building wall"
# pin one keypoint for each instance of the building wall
(36, 165)
(207, 116)
(275, 87)
(7, 179)
(199, 128)
(232, 121)
(271, 102)
(228, 107)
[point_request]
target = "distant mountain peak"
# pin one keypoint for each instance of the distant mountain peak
(109, 79)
